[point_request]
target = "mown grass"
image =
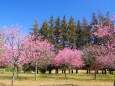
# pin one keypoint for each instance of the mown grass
(81, 79)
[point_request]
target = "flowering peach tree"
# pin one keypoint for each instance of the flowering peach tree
(68, 58)
(39, 53)
(13, 54)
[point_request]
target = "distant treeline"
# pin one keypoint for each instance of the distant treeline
(74, 34)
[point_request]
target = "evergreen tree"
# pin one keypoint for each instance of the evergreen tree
(71, 32)
(94, 19)
(44, 30)
(108, 15)
(64, 32)
(51, 30)
(57, 33)
(101, 18)
(84, 23)
(35, 28)
(86, 32)
(79, 35)
(108, 20)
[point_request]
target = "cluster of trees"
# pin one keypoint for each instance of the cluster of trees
(60, 45)
(74, 34)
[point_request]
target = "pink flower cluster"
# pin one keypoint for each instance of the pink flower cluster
(69, 57)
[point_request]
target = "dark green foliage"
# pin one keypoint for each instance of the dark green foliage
(51, 30)
(105, 20)
(64, 31)
(84, 23)
(42, 70)
(86, 37)
(108, 21)
(86, 32)
(35, 29)
(71, 32)
(9, 69)
(57, 33)
(44, 30)
(79, 35)
(28, 67)
(100, 17)
(50, 68)
(94, 19)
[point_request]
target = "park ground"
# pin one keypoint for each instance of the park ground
(80, 79)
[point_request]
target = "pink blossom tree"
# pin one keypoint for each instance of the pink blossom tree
(40, 53)
(97, 57)
(68, 58)
(107, 32)
(1, 48)
(13, 49)
(102, 31)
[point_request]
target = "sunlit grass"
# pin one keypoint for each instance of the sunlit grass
(81, 79)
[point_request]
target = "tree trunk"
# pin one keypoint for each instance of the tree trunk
(17, 71)
(76, 71)
(65, 71)
(56, 71)
(114, 83)
(87, 71)
(72, 71)
(104, 71)
(96, 71)
(62, 71)
(13, 76)
(110, 71)
(95, 75)
(69, 71)
(50, 71)
(36, 68)
(65, 74)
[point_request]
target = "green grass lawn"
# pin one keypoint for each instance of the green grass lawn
(81, 79)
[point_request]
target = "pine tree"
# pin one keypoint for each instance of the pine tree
(44, 30)
(108, 20)
(57, 33)
(71, 32)
(101, 18)
(94, 19)
(64, 32)
(35, 30)
(84, 23)
(79, 35)
(51, 30)
(86, 34)
(108, 15)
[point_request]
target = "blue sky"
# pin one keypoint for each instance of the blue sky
(24, 12)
